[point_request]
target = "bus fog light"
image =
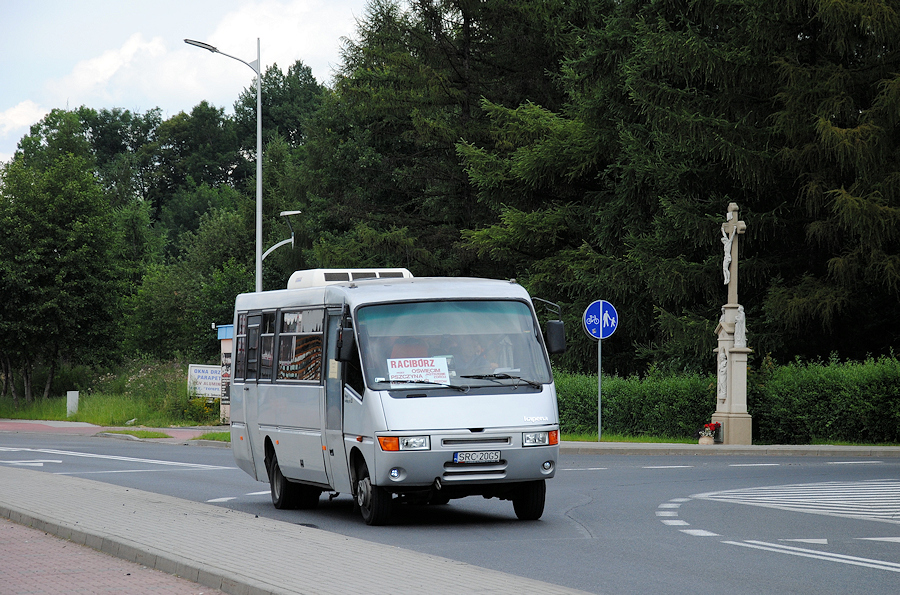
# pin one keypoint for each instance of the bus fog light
(397, 474)
(548, 465)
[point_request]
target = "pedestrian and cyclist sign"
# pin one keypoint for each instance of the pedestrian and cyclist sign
(600, 320)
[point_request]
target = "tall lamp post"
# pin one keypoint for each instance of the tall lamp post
(255, 67)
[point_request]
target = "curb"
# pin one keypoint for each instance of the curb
(656, 449)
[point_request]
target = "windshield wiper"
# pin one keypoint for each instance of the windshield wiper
(429, 382)
(503, 376)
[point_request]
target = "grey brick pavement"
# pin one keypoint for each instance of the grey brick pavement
(234, 551)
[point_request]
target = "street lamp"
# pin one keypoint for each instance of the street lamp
(290, 240)
(255, 67)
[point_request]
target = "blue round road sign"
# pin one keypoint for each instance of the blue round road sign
(600, 319)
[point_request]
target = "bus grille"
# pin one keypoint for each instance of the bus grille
(470, 471)
(476, 442)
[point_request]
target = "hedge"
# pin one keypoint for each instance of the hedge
(797, 403)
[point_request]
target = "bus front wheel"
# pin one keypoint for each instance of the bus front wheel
(529, 502)
(374, 502)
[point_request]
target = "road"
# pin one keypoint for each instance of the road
(612, 524)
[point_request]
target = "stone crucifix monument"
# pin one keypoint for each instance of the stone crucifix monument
(731, 354)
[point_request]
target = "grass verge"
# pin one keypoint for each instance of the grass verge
(144, 434)
(217, 436)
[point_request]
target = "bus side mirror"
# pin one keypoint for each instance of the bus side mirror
(555, 336)
(345, 344)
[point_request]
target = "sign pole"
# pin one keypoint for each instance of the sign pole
(599, 388)
(600, 322)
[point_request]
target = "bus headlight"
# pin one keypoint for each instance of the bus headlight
(540, 438)
(395, 443)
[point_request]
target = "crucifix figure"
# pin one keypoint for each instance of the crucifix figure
(732, 350)
(730, 229)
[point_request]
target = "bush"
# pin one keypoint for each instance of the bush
(798, 403)
(658, 405)
(835, 401)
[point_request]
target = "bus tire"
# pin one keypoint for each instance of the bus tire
(529, 502)
(284, 493)
(374, 502)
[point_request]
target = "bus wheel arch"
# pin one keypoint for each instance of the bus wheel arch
(374, 502)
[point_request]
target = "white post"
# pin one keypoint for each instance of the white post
(71, 403)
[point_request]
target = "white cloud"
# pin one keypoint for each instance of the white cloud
(102, 77)
(15, 122)
(152, 67)
(21, 116)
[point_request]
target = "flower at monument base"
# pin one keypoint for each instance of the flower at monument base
(710, 429)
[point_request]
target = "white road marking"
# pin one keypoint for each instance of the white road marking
(699, 533)
(266, 493)
(670, 505)
(221, 499)
(854, 462)
(875, 500)
(888, 539)
(35, 463)
(113, 458)
(674, 522)
(809, 541)
(670, 467)
(818, 555)
(755, 465)
(666, 513)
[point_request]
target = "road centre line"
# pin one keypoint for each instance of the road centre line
(818, 555)
(854, 462)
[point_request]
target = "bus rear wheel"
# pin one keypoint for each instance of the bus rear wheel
(289, 495)
(374, 502)
(529, 502)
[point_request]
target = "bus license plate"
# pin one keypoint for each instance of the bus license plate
(481, 456)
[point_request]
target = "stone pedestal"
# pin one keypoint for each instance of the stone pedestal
(737, 428)
(731, 391)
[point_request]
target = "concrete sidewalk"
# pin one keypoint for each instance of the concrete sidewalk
(234, 551)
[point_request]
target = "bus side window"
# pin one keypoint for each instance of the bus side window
(267, 346)
(353, 375)
(240, 359)
(253, 346)
(300, 345)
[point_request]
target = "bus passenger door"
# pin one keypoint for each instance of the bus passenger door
(335, 457)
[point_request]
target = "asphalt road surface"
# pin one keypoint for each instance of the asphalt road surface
(612, 524)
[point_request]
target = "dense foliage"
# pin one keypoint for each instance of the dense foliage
(797, 403)
(588, 148)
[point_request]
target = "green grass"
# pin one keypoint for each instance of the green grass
(218, 436)
(141, 433)
(154, 394)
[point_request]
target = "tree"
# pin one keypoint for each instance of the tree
(382, 159)
(288, 101)
(676, 109)
(59, 272)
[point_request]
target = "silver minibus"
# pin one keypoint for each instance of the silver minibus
(394, 389)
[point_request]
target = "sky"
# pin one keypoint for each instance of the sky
(131, 55)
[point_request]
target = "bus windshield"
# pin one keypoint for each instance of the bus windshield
(451, 343)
